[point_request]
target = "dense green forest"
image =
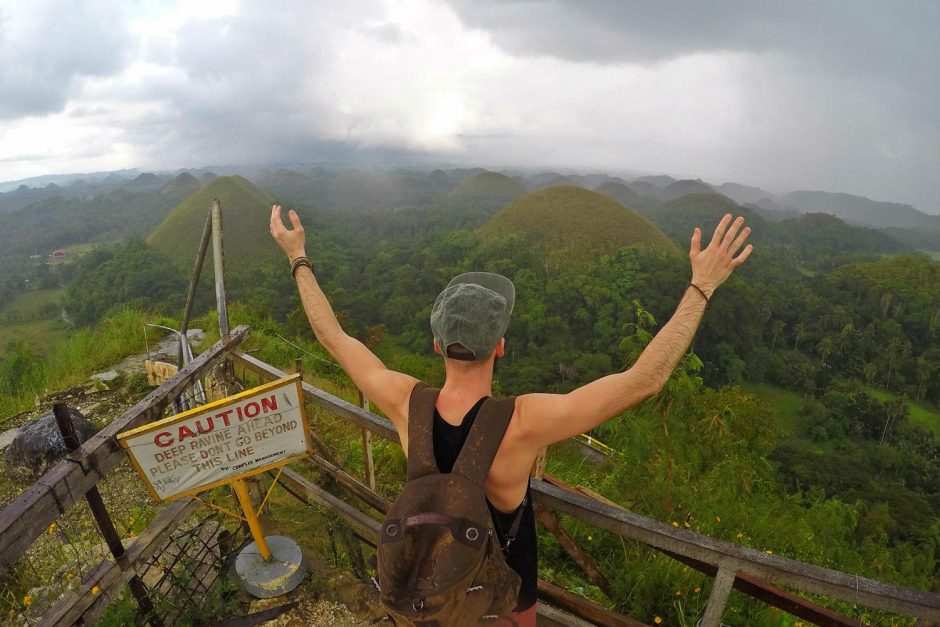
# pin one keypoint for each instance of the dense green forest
(802, 423)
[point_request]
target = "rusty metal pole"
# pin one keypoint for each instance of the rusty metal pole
(96, 505)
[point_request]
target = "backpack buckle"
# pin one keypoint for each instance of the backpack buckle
(417, 605)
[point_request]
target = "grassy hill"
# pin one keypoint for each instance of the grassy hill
(574, 226)
(246, 211)
(678, 218)
(677, 190)
(489, 185)
(625, 196)
(182, 186)
(833, 236)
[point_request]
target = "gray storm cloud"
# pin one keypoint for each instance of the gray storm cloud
(791, 95)
(45, 46)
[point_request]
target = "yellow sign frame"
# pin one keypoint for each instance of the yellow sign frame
(294, 379)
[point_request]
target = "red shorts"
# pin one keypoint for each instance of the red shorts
(525, 618)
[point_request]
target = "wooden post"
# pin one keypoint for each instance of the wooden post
(538, 468)
(244, 499)
(218, 260)
(367, 446)
(575, 552)
(721, 587)
(105, 525)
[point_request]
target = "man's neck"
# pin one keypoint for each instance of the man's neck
(467, 382)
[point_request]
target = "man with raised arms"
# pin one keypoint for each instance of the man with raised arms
(468, 321)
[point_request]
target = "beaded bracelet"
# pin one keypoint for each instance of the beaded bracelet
(708, 302)
(297, 263)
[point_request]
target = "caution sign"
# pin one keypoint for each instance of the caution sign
(235, 437)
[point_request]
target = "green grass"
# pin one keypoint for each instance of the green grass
(933, 254)
(787, 406)
(30, 302)
(42, 336)
(920, 415)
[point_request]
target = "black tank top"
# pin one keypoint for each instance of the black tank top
(522, 555)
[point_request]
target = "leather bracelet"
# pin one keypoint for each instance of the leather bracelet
(708, 301)
(297, 263)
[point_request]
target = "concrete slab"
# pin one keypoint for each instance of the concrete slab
(266, 580)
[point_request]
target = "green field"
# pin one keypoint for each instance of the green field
(30, 302)
(39, 332)
(917, 414)
(933, 254)
(787, 406)
(40, 335)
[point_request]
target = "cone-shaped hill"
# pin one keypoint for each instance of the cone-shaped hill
(488, 185)
(183, 186)
(574, 226)
(621, 193)
(679, 218)
(246, 211)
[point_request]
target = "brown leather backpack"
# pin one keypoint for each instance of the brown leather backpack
(440, 563)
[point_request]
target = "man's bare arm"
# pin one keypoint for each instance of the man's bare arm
(388, 389)
(548, 418)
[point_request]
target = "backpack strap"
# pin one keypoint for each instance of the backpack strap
(484, 439)
(421, 460)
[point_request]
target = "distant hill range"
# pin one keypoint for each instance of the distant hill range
(489, 185)
(183, 186)
(678, 218)
(246, 211)
(574, 226)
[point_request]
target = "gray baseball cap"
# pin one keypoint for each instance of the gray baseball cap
(473, 311)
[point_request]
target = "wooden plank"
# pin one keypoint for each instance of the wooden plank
(575, 552)
(582, 608)
(721, 588)
(24, 519)
(110, 576)
(334, 404)
(374, 500)
(550, 616)
(777, 597)
(785, 571)
(362, 523)
(367, 446)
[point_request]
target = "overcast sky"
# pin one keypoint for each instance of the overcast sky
(841, 96)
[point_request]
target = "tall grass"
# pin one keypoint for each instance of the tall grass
(72, 361)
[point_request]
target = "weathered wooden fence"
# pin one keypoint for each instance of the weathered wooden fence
(732, 566)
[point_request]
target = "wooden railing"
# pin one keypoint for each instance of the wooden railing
(732, 565)
(36, 508)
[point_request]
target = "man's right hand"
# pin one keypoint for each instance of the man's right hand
(290, 241)
(710, 267)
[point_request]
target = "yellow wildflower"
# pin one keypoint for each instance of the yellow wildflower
(717, 519)
(657, 620)
(69, 576)
(697, 589)
(27, 600)
(769, 552)
(590, 538)
(51, 529)
(675, 524)
(678, 593)
(95, 590)
(688, 525)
